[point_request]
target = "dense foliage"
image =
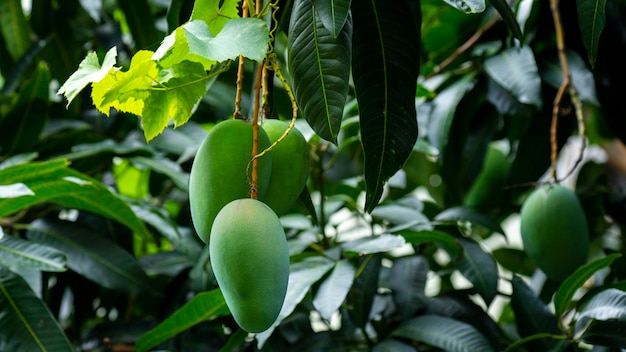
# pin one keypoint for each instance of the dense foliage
(429, 122)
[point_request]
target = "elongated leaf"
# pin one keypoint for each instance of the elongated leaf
(566, 291)
(333, 14)
(515, 260)
(202, 307)
(407, 281)
(480, 269)
(608, 304)
(23, 172)
(302, 275)
(364, 289)
(15, 190)
(591, 19)
(516, 71)
(92, 255)
(319, 65)
(608, 333)
(392, 345)
(442, 239)
(448, 334)
(385, 66)
(373, 244)
(464, 214)
(508, 17)
(334, 289)
(16, 252)
(14, 28)
(26, 324)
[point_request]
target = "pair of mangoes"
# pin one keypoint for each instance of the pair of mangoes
(247, 244)
(554, 231)
(221, 170)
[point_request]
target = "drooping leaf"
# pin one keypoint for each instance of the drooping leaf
(508, 17)
(446, 241)
(364, 289)
(446, 333)
(385, 66)
(319, 65)
(141, 23)
(92, 255)
(516, 71)
(215, 13)
(591, 19)
(566, 291)
(480, 269)
(17, 252)
(603, 319)
(580, 75)
(202, 307)
(14, 28)
(332, 292)
(26, 324)
(407, 281)
(467, 6)
(302, 275)
(515, 260)
(333, 14)
(373, 244)
(463, 215)
(88, 71)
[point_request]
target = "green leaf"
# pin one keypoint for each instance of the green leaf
(445, 333)
(603, 319)
(333, 14)
(568, 288)
(215, 13)
(480, 269)
(26, 324)
(508, 17)
(515, 260)
(373, 244)
(334, 289)
(165, 167)
(385, 66)
(467, 6)
(14, 28)
(319, 65)
(16, 252)
(442, 239)
(462, 215)
(365, 288)
(23, 172)
(407, 281)
(141, 23)
(609, 333)
(89, 71)
(202, 307)
(15, 190)
(591, 19)
(302, 275)
(515, 70)
(92, 255)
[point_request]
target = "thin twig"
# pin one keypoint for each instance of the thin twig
(240, 68)
(255, 135)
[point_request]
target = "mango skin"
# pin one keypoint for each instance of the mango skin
(554, 231)
(218, 173)
(488, 188)
(250, 259)
(290, 166)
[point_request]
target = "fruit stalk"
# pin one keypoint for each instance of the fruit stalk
(255, 135)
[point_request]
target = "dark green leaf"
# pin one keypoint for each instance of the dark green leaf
(318, 64)
(468, 6)
(333, 14)
(385, 66)
(566, 291)
(508, 16)
(515, 260)
(141, 23)
(407, 281)
(92, 255)
(462, 215)
(516, 71)
(606, 333)
(302, 275)
(19, 253)
(591, 19)
(26, 324)
(442, 239)
(202, 307)
(14, 28)
(392, 345)
(334, 289)
(448, 334)
(580, 75)
(480, 269)
(364, 289)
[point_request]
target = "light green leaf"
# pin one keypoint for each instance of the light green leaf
(385, 66)
(333, 14)
(202, 307)
(14, 28)
(446, 333)
(302, 275)
(215, 13)
(16, 252)
(566, 291)
(591, 19)
(165, 167)
(92, 255)
(26, 324)
(318, 64)
(515, 70)
(467, 6)
(334, 289)
(373, 244)
(89, 71)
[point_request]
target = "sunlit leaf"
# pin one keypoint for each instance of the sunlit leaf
(215, 13)
(15, 190)
(333, 290)
(373, 244)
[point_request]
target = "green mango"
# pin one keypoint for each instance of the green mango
(218, 174)
(554, 231)
(488, 187)
(290, 166)
(250, 260)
